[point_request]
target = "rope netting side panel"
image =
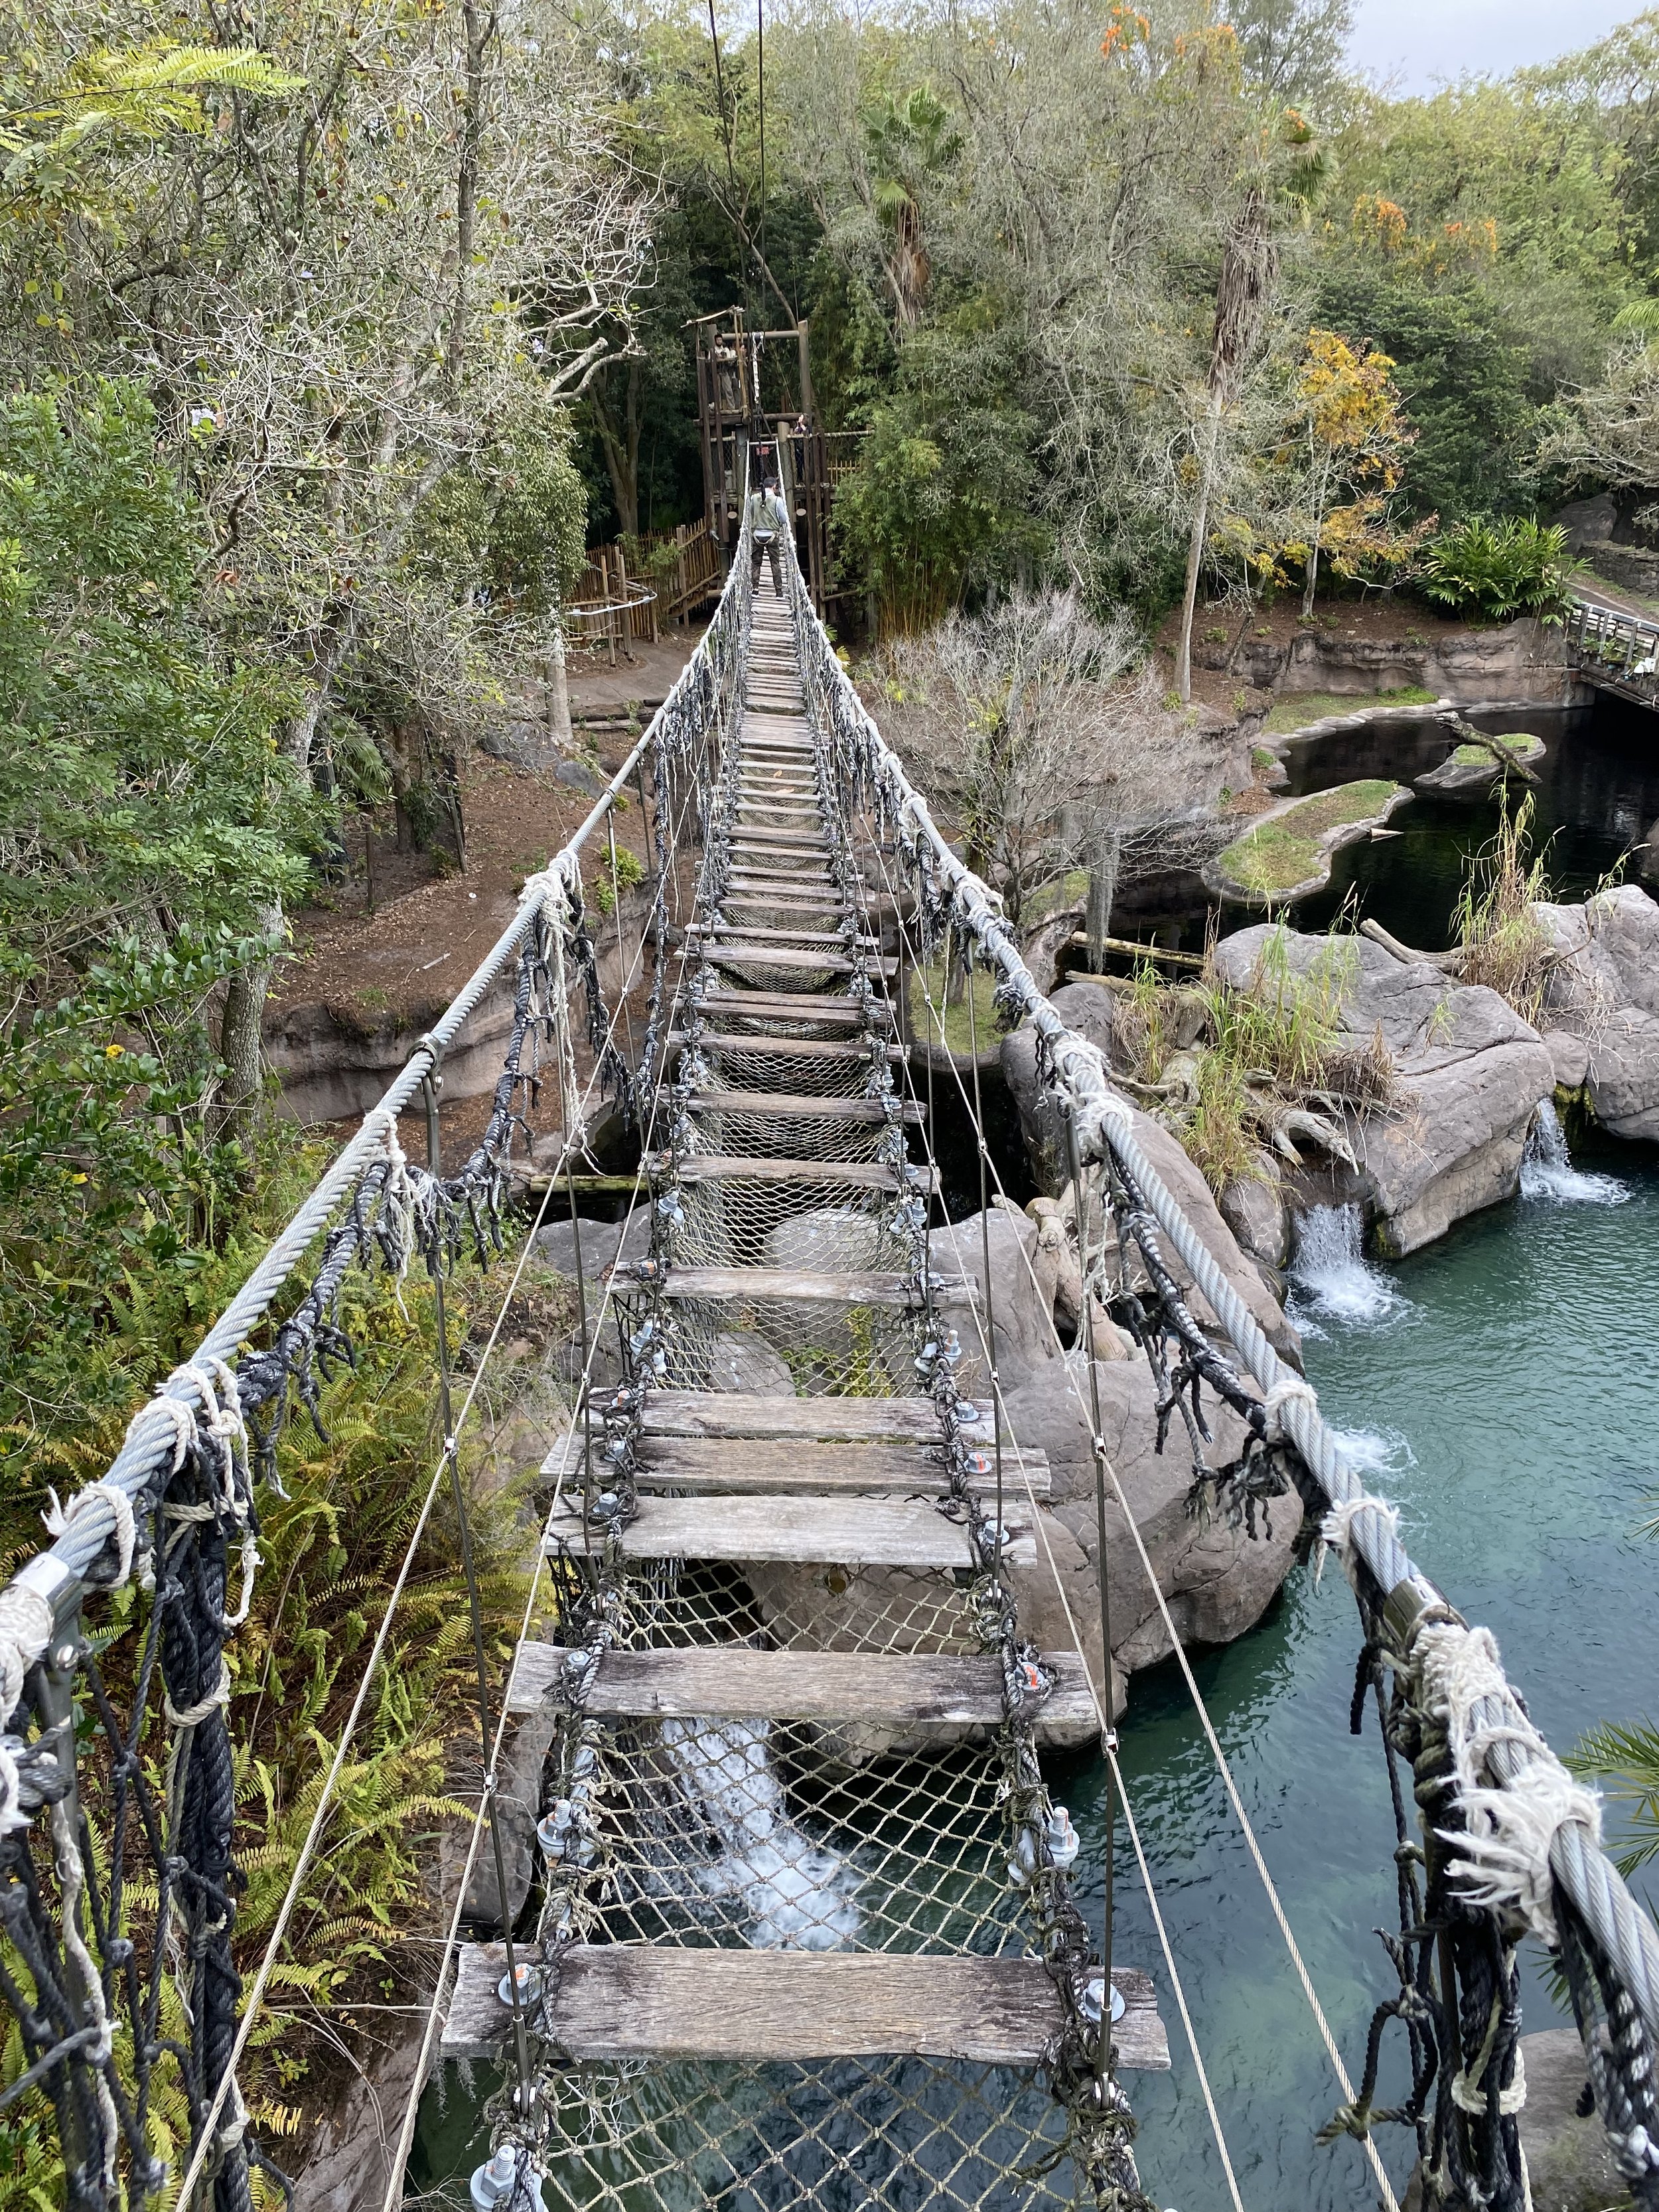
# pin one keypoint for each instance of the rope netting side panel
(119, 1838)
(1503, 1844)
(789, 1260)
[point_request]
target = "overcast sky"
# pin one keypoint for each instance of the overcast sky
(1426, 41)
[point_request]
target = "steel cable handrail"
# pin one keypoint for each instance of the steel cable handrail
(47, 1588)
(1503, 1743)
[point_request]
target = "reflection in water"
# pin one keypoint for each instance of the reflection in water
(1500, 1410)
(1598, 793)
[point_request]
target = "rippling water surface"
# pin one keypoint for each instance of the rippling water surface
(1502, 1396)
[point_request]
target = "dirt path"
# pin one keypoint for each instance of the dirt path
(401, 960)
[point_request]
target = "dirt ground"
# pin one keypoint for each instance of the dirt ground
(405, 957)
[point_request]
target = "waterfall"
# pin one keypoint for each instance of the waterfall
(1330, 1274)
(1548, 1171)
(798, 1894)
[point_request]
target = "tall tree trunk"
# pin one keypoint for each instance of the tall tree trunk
(1196, 550)
(557, 688)
(237, 1108)
(619, 440)
(1248, 266)
(1313, 578)
(1103, 890)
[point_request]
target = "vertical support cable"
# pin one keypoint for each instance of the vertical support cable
(1103, 2050)
(527, 2093)
(985, 1247)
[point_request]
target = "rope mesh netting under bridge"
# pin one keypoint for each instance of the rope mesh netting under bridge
(806, 1930)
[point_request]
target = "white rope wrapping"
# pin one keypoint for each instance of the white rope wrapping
(1505, 1848)
(59, 1519)
(1470, 2096)
(1280, 1396)
(26, 1619)
(1336, 1529)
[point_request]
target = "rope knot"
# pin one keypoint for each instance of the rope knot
(1289, 1388)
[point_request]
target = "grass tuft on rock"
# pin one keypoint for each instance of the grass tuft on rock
(1285, 850)
(1522, 742)
(1296, 709)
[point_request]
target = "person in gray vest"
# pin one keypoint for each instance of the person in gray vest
(768, 521)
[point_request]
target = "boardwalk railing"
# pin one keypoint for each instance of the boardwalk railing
(1615, 651)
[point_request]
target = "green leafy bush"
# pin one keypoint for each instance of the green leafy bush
(1499, 570)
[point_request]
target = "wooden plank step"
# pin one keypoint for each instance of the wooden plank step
(618, 2001)
(849, 1174)
(786, 1007)
(844, 1532)
(802, 886)
(806, 1108)
(806, 904)
(784, 1464)
(731, 1681)
(746, 953)
(746, 1414)
(754, 839)
(804, 1286)
(719, 1042)
(754, 933)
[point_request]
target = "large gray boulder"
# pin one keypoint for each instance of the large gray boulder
(1217, 1579)
(1022, 1297)
(1087, 1008)
(1570, 2160)
(1471, 1072)
(1603, 991)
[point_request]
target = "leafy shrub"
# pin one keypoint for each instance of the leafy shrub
(1499, 570)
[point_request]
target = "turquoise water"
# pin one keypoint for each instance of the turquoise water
(1503, 1395)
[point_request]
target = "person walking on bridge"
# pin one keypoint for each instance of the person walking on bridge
(769, 519)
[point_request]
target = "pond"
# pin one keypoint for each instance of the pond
(1492, 1385)
(1597, 795)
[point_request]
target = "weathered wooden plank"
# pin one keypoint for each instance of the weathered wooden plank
(800, 1107)
(851, 1174)
(786, 1007)
(844, 1532)
(736, 951)
(706, 1464)
(719, 1042)
(628, 2001)
(730, 1681)
(756, 933)
(757, 839)
(806, 1287)
(744, 1413)
(786, 895)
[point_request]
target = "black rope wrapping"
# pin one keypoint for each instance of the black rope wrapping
(104, 2113)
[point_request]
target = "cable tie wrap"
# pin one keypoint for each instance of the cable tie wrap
(1287, 1388)
(1336, 1529)
(1469, 2097)
(1504, 1847)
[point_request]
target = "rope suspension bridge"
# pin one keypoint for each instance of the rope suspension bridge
(807, 1926)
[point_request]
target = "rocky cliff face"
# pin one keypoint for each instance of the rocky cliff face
(1602, 1006)
(1517, 660)
(1471, 1074)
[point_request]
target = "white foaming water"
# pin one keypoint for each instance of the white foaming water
(1548, 1171)
(1375, 1451)
(1333, 1279)
(798, 1894)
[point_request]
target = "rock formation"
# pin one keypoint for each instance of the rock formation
(1471, 1071)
